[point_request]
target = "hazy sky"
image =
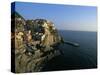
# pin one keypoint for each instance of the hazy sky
(65, 17)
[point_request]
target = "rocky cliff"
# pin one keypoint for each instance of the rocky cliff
(36, 42)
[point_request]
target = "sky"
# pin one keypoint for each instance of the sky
(64, 17)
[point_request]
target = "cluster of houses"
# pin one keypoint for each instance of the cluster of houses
(33, 34)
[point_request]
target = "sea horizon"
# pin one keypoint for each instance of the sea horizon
(75, 30)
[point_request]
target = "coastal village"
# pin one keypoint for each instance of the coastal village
(35, 42)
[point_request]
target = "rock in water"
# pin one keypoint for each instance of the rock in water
(36, 42)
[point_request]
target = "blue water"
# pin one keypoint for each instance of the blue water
(82, 57)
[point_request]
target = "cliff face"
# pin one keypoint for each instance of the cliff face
(36, 42)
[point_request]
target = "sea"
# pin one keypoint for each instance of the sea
(82, 57)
